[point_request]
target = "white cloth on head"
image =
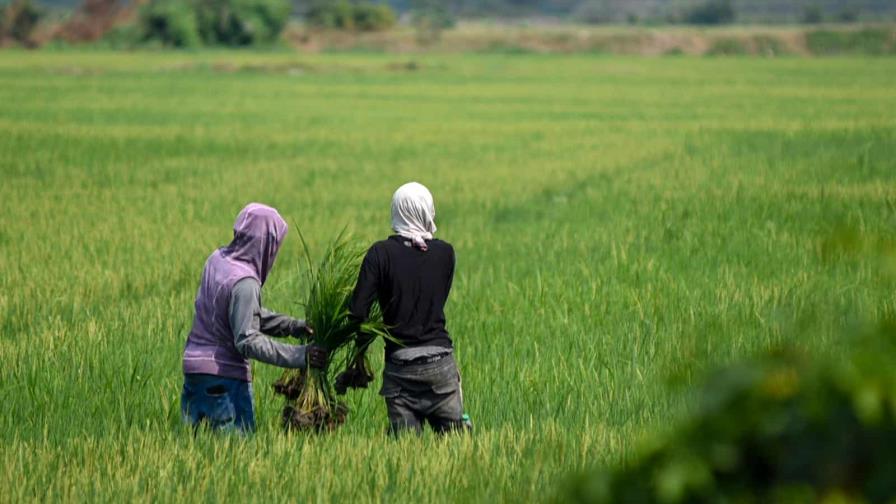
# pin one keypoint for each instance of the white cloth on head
(414, 214)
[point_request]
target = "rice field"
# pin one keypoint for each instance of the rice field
(621, 224)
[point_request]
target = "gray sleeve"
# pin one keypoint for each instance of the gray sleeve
(245, 322)
(278, 324)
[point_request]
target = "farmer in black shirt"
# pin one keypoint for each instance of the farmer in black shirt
(410, 275)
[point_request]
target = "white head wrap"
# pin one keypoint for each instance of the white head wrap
(413, 213)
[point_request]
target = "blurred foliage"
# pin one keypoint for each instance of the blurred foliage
(346, 15)
(331, 15)
(171, 23)
(121, 36)
(712, 12)
(864, 41)
(813, 14)
(214, 22)
(646, 11)
(727, 47)
(430, 18)
(19, 20)
(783, 428)
(374, 17)
(598, 11)
(660, 11)
(93, 20)
(849, 14)
(241, 22)
(768, 46)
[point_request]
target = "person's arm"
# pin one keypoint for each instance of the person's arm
(278, 324)
(245, 322)
(365, 288)
(365, 292)
(357, 373)
(451, 271)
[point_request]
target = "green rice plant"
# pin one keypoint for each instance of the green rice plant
(311, 398)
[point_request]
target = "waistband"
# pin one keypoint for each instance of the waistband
(417, 361)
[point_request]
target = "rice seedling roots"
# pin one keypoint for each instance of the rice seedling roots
(318, 419)
(290, 385)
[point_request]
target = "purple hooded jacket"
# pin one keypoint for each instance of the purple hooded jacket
(257, 235)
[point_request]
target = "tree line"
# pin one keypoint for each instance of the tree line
(191, 23)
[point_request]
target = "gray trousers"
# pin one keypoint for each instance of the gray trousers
(423, 393)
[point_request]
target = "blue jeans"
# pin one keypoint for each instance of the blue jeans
(222, 403)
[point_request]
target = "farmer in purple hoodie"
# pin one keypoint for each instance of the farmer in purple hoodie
(230, 326)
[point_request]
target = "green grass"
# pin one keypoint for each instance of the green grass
(620, 224)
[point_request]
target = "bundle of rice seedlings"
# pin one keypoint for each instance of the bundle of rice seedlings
(311, 403)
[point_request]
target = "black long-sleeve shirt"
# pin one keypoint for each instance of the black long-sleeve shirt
(411, 286)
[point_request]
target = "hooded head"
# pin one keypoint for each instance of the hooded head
(257, 235)
(414, 214)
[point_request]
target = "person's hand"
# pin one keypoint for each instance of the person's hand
(316, 356)
(357, 375)
(303, 330)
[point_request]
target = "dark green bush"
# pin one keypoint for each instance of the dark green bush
(241, 22)
(373, 17)
(825, 42)
(345, 15)
(431, 17)
(19, 20)
(170, 22)
(785, 428)
(813, 14)
(848, 15)
(874, 41)
(595, 12)
(331, 15)
(865, 41)
(124, 36)
(713, 12)
(188, 23)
